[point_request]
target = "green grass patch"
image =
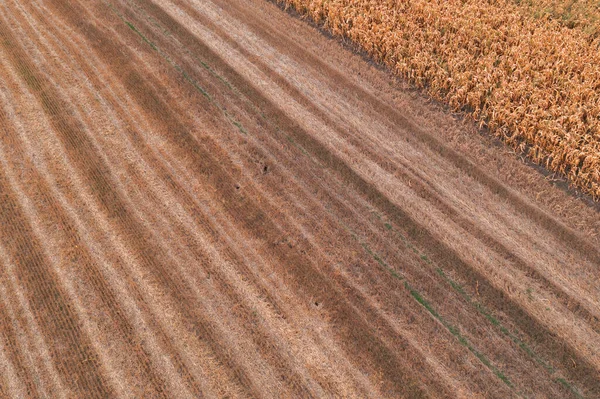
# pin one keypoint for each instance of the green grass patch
(454, 331)
(565, 384)
(421, 300)
(379, 260)
(133, 28)
(486, 313)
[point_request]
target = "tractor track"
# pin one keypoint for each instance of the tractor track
(205, 199)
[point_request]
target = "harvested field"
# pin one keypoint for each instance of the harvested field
(209, 198)
(521, 71)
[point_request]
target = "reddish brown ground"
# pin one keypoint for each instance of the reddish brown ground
(210, 198)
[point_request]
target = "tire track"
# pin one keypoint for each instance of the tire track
(9, 384)
(525, 321)
(55, 316)
(181, 173)
(79, 149)
(240, 249)
(95, 280)
(53, 312)
(227, 195)
(134, 351)
(11, 361)
(238, 301)
(31, 353)
(426, 191)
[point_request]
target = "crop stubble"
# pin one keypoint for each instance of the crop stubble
(196, 204)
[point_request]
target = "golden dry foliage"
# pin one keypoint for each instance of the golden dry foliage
(533, 81)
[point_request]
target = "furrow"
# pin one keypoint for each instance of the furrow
(16, 377)
(116, 209)
(226, 198)
(211, 199)
(402, 169)
(71, 350)
(419, 232)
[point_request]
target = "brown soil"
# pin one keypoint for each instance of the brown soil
(213, 199)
